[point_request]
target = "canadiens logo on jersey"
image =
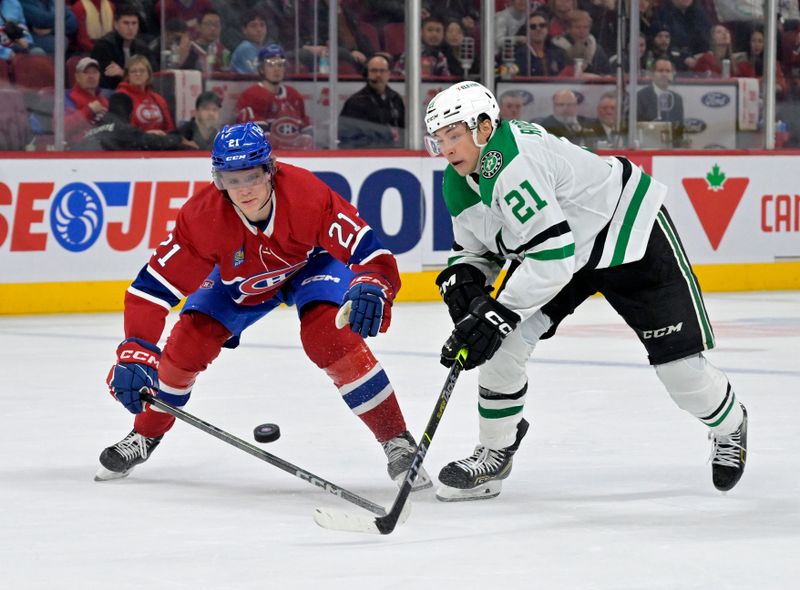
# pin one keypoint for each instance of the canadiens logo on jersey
(261, 283)
(149, 112)
(286, 127)
(491, 163)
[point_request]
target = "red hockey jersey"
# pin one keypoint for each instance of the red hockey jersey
(282, 115)
(209, 230)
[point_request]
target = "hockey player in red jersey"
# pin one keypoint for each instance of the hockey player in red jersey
(277, 107)
(263, 234)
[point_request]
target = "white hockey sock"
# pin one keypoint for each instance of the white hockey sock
(701, 389)
(499, 415)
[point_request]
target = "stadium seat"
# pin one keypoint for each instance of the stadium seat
(33, 71)
(4, 74)
(371, 33)
(15, 131)
(394, 38)
(347, 68)
(69, 70)
(787, 51)
(294, 68)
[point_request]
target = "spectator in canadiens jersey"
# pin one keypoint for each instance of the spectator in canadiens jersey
(84, 104)
(571, 224)
(150, 110)
(277, 107)
(280, 236)
(115, 133)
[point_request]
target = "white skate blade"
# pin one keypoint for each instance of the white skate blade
(356, 522)
(422, 482)
(485, 491)
(104, 474)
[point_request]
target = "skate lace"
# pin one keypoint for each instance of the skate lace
(133, 446)
(725, 450)
(483, 460)
(397, 448)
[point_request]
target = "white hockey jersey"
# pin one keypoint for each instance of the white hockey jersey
(550, 206)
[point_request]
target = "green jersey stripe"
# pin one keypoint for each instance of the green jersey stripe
(694, 288)
(630, 218)
(554, 254)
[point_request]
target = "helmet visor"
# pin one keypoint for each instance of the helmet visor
(446, 137)
(432, 146)
(235, 179)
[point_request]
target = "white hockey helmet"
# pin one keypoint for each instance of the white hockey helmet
(462, 102)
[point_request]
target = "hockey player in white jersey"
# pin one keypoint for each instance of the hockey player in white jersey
(571, 224)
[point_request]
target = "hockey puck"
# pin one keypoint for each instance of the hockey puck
(266, 433)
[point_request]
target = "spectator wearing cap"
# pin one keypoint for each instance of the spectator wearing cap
(84, 103)
(114, 49)
(115, 132)
(661, 48)
(277, 107)
(150, 110)
(95, 19)
(688, 23)
(254, 29)
(204, 125)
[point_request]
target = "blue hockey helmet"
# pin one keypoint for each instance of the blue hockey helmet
(239, 147)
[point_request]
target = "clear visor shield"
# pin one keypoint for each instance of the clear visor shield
(432, 146)
(236, 179)
(445, 138)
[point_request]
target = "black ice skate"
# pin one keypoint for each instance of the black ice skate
(728, 456)
(400, 452)
(118, 460)
(479, 476)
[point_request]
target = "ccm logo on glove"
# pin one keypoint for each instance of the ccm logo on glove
(138, 356)
(136, 369)
(502, 326)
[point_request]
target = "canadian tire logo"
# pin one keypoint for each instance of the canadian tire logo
(715, 199)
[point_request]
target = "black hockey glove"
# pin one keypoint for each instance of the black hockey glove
(481, 331)
(459, 285)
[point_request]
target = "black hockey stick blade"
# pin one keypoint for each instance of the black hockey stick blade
(273, 460)
(341, 520)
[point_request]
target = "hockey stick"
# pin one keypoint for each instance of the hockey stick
(331, 518)
(263, 455)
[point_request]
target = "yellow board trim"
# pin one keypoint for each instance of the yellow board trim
(106, 296)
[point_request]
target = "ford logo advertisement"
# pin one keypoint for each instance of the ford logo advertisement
(694, 125)
(715, 99)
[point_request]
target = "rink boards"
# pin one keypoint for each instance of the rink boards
(75, 231)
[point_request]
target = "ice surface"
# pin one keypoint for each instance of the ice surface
(610, 490)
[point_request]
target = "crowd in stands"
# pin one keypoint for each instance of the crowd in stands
(118, 47)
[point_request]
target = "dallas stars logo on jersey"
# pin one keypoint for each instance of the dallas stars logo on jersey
(491, 163)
